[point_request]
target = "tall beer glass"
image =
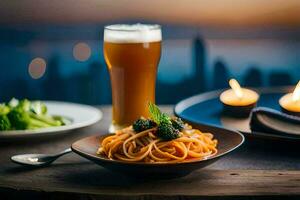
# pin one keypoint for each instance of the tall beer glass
(132, 54)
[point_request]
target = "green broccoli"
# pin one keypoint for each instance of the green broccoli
(20, 116)
(143, 124)
(18, 119)
(168, 129)
(167, 132)
(13, 103)
(177, 123)
(4, 109)
(25, 114)
(4, 123)
(31, 115)
(24, 105)
(38, 108)
(21, 120)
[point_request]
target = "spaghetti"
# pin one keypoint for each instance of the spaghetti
(146, 146)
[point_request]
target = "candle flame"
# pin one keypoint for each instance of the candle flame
(296, 93)
(235, 86)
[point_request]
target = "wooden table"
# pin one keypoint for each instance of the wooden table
(259, 168)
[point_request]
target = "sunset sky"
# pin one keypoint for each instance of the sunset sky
(190, 12)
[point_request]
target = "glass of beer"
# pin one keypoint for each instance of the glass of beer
(132, 54)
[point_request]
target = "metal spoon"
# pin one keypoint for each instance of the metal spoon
(38, 160)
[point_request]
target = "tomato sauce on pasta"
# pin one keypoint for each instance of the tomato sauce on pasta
(146, 146)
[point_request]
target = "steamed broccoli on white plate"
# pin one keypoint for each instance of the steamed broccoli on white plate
(26, 115)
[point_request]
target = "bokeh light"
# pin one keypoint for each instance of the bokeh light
(37, 68)
(82, 51)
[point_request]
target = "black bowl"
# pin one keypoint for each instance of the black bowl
(228, 141)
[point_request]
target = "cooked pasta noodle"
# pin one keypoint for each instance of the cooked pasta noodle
(145, 146)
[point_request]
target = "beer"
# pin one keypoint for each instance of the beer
(132, 54)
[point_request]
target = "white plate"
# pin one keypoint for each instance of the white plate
(80, 116)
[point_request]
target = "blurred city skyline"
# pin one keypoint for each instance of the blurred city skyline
(204, 44)
(201, 65)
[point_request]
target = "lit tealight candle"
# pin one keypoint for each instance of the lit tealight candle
(238, 101)
(290, 103)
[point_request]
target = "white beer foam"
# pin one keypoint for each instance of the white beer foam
(136, 33)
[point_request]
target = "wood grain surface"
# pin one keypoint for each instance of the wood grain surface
(263, 169)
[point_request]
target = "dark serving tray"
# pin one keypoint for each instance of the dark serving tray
(206, 108)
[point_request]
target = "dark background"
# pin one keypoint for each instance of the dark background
(204, 44)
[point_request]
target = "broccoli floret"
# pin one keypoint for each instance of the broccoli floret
(24, 105)
(24, 114)
(18, 119)
(166, 131)
(143, 124)
(4, 109)
(21, 120)
(177, 123)
(38, 108)
(13, 103)
(4, 123)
